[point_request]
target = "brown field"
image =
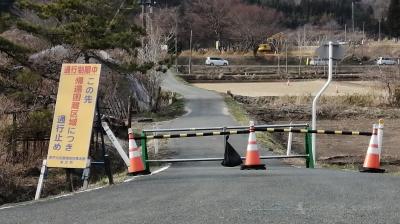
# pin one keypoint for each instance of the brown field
(298, 88)
(345, 151)
(334, 149)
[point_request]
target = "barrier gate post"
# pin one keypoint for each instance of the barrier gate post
(310, 158)
(145, 156)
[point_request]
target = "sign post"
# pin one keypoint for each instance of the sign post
(331, 51)
(73, 116)
(106, 159)
(40, 182)
(73, 119)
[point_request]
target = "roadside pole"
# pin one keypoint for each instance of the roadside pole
(289, 144)
(190, 57)
(116, 143)
(224, 129)
(155, 140)
(314, 105)
(86, 175)
(145, 156)
(40, 182)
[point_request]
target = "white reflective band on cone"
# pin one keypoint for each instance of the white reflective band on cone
(132, 143)
(252, 147)
(380, 135)
(136, 153)
(252, 136)
(374, 150)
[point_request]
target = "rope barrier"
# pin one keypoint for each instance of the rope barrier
(294, 130)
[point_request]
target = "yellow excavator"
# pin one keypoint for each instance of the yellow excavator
(274, 44)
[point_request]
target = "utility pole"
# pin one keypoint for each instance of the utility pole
(304, 36)
(286, 56)
(143, 14)
(176, 42)
(345, 32)
(363, 30)
(145, 4)
(352, 15)
(279, 61)
(300, 51)
(379, 32)
(190, 57)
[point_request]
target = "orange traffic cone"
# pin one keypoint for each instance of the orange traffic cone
(372, 160)
(135, 156)
(253, 161)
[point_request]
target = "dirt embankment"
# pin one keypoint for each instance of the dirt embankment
(333, 114)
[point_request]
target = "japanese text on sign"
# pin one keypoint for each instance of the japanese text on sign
(73, 115)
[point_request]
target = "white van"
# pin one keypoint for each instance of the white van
(216, 61)
(386, 61)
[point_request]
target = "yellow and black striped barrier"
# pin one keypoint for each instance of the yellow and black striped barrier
(294, 130)
(326, 132)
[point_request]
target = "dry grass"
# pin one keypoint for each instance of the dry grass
(237, 111)
(371, 49)
(348, 112)
(307, 52)
(300, 88)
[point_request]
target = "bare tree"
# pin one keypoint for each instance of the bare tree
(252, 24)
(299, 41)
(166, 20)
(210, 17)
(160, 29)
(390, 80)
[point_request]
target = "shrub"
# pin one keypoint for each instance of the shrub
(39, 123)
(358, 100)
(395, 98)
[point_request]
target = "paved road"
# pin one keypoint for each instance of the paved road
(209, 193)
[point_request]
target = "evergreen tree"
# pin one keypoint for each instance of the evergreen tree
(5, 18)
(86, 25)
(16, 52)
(5, 5)
(393, 19)
(5, 21)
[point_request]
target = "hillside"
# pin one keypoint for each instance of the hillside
(35, 40)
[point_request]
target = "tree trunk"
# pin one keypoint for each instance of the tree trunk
(69, 180)
(87, 57)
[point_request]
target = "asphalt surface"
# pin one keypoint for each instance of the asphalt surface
(209, 193)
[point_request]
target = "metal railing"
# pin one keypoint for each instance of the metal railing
(192, 132)
(227, 128)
